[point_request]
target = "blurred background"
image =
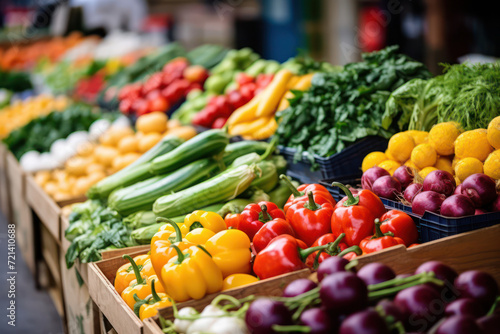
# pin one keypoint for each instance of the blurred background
(337, 31)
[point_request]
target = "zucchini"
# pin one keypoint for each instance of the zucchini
(225, 186)
(135, 172)
(235, 150)
(204, 145)
(267, 176)
(141, 196)
(281, 193)
(140, 219)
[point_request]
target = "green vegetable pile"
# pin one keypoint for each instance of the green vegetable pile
(40, 133)
(467, 94)
(342, 107)
(15, 81)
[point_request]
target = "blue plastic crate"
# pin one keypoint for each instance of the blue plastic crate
(346, 163)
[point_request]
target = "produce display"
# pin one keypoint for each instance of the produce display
(19, 113)
(15, 81)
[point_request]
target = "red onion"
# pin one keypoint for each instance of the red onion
(441, 182)
(480, 188)
(427, 201)
(457, 206)
(404, 175)
(411, 191)
(496, 204)
(371, 175)
(387, 187)
(458, 190)
(480, 212)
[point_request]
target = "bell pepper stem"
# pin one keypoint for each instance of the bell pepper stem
(156, 298)
(354, 249)
(311, 204)
(304, 253)
(137, 272)
(294, 190)
(265, 215)
(204, 249)
(351, 199)
(180, 255)
(378, 231)
(178, 234)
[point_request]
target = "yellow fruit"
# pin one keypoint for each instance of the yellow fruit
(184, 132)
(400, 146)
(389, 155)
(419, 137)
(105, 155)
(50, 188)
(424, 172)
(468, 166)
(113, 136)
(86, 149)
(473, 144)
(457, 180)
(173, 123)
(148, 141)
(82, 185)
(96, 176)
(410, 164)
(128, 144)
(128, 158)
(41, 178)
(77, 165)
(423, 155)
(494, 132)
(454, 162)
(155, 122)
(492, 165)
(389, 165)
(444, 163)
(95, 167)
(442, 137)
(372, 159)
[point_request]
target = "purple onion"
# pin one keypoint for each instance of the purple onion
(387, 187)
(404, 175)
(318, 320)
(364, 322)
(427, 201)
(263, 313)
(465, 306)
(298, 287)
(489, 324)
(458, 190)
(391, 309)
(343, 293)
(480, 188)
(477, 285)
(480, 212)
(440, 270)
(495, 207)
(331, 265)
(371, 175)
(440, 181)
(411, 191)
(376, 272)
(457, 206)
(458, 324)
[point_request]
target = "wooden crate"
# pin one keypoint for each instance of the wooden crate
(21, 212)
(4, 184)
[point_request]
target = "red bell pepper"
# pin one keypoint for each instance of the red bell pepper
(342, 250)
(379, 241)
(354, 215)
(269, 231)
(309, 219)
(284, 254)
(401, 225)
(320, 193)
(253, 217)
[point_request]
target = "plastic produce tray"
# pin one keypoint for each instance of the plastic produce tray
(345, 163)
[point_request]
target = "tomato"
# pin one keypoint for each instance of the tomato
(141, 106)
(243, 79)
(263, 80)
(126, 106)
(219, 123)
(193, 86)
(224, 109)
(153, 95)
(236, 99)
(132, 91)
(158, 104)
(154, 82)
(248, 92)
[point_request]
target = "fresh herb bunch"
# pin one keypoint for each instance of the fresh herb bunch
(467, 94)
(345, 106)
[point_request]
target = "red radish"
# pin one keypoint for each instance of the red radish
(404, 175)
(427, 201)
(480, 188)
(387, 187)
(371, 175)
(457, 206)
(440, 181)
(411, 191)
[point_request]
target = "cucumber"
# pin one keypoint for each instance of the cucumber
(204, 145)
(267, 176)
(135, 172)
(225, 186)
(142, 195)
(238, 149)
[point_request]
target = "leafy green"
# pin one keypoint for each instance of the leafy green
(15, 81)
(467, 94)
(342, 107)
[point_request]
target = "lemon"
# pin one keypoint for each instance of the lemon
(389, 155)
(400, 146)
(442, 137)
(443, 163)
(492, 165)
(457, 180)
(454, 162)
(373, 159)
(419, 137)
(389, 165)
(424, 172)
(494, 132)
(473, 144)
(468, 166)
(410, 164)
(424, 155)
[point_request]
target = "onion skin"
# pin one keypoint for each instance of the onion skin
(371, 175)
(441, 182)
(480, 188)
(411, 191)
(495, 207)
(458, 190)
(457, 206)
(404, 175)
(387, 187)
(427, 201)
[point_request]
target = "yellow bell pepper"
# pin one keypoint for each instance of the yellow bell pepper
(203, 219)
(273, 93)
(199, 236)
(139, 286)
(237, 280)
(149, 307)
(161, 251)
(248, 128)
(303, 83)
(159, 286)
(125, 274)
(230, 250)
(267, 130)
(191, 274)
(246, 112)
